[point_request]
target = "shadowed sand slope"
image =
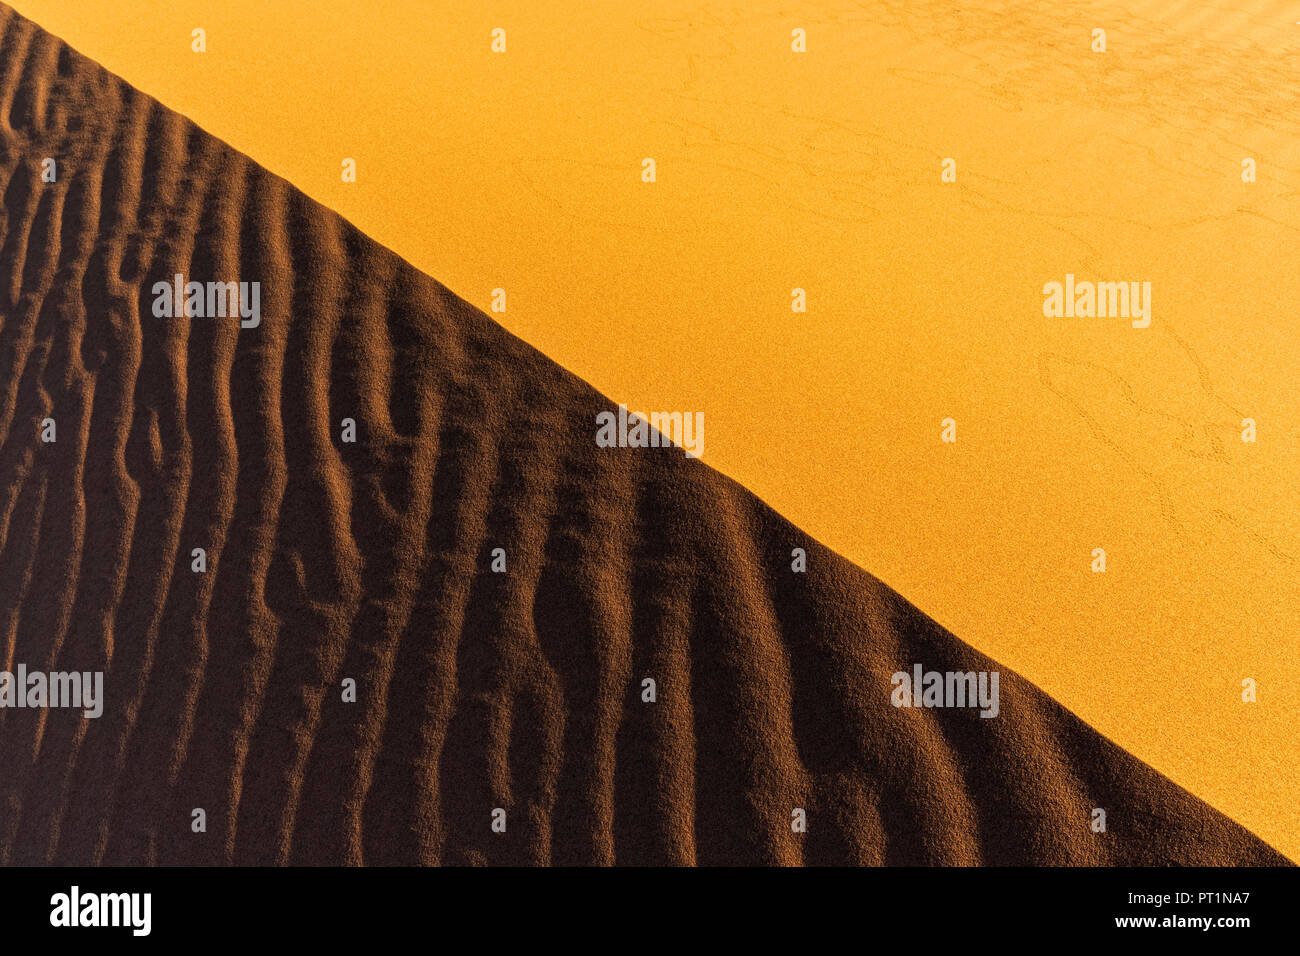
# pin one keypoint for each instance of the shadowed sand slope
(370, 561)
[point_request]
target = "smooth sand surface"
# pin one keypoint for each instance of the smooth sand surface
(369, 561)
(822, 171)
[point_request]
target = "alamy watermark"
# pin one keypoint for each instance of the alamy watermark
(75, 908)
(658, 429)
(75, 689)
(1107, 300)
(211, 300)
(924, 688)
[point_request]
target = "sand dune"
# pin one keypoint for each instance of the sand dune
(370, 561)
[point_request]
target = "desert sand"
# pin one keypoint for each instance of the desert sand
(329, 561)
(822, 170)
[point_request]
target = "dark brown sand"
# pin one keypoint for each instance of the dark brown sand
(371, 561)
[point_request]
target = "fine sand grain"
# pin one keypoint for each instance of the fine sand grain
(369, 561)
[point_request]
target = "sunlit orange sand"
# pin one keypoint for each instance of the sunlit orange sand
(359, 587)
(822, 171)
